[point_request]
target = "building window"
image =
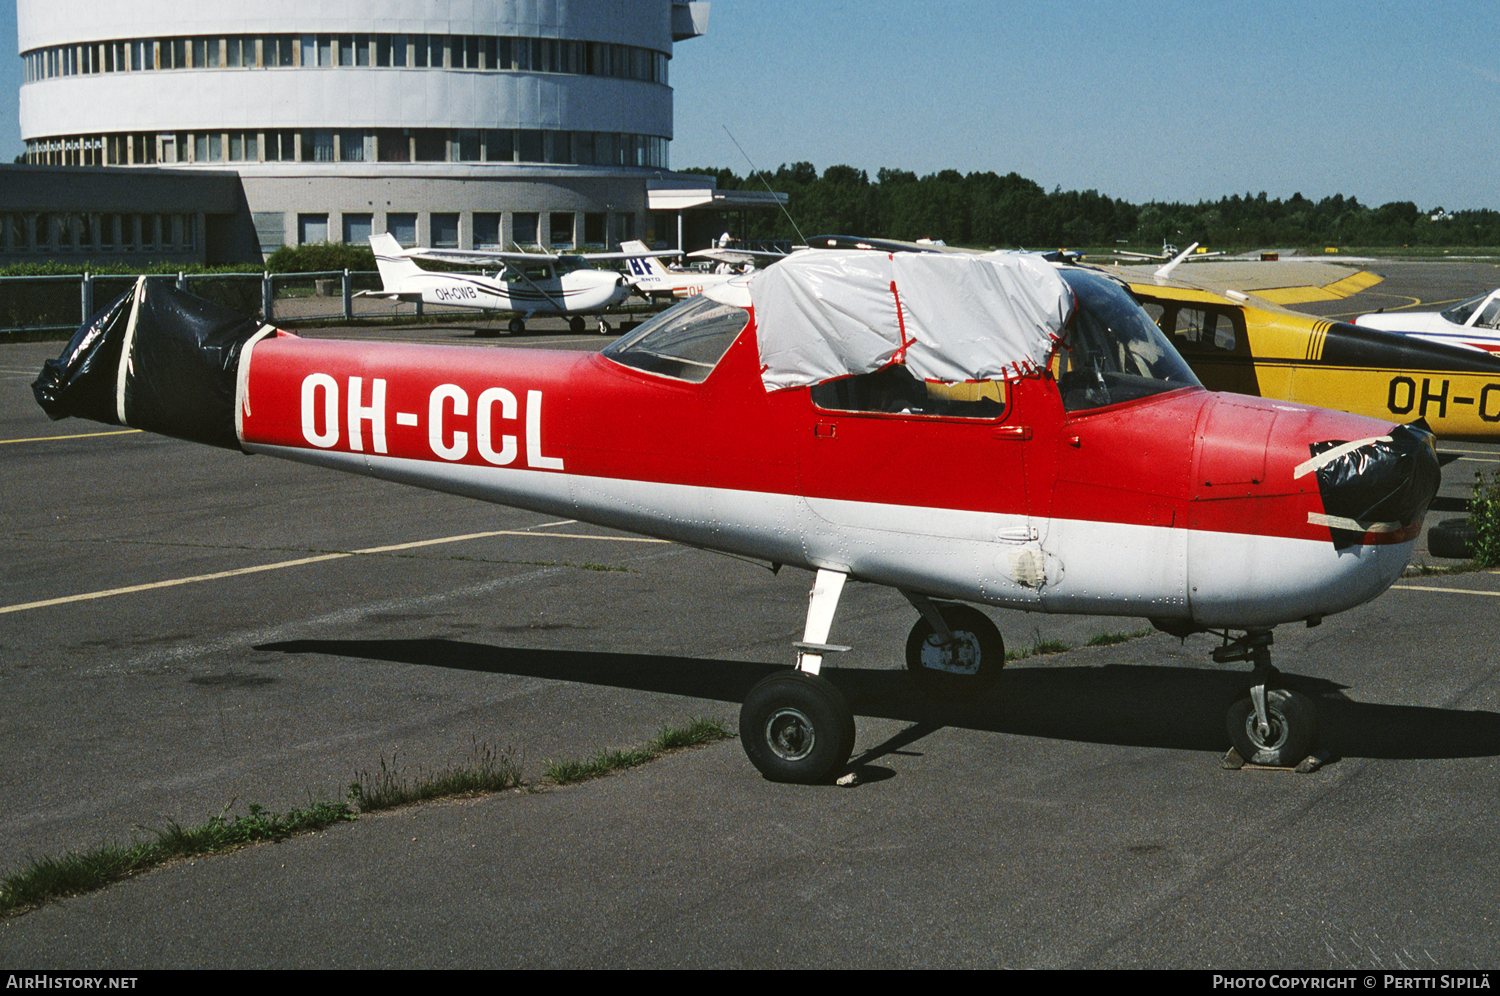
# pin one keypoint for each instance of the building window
(500, 145)
(358, 228)
(531, 150)
(394, 145)
(487, 231)
(317, 146)
(432, 145)
(402, 227)
(352, 146)
(560, 230)
(466, 146)
(312, 228)
(270, 229)
(445, 231)
(523, 228)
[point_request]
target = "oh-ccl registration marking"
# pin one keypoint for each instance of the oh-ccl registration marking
(450, 427)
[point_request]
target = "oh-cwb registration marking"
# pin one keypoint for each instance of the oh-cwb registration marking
(454, 421)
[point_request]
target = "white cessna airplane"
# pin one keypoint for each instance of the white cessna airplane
(526, 283)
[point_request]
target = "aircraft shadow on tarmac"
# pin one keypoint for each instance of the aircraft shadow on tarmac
(1136, 705)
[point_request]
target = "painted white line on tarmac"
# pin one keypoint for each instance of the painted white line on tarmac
(280, 565)
(1450, 591)
(76, 435)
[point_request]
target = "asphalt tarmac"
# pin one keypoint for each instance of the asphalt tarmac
(184, 629)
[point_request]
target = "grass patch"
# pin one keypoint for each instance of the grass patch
(487, 770)
(76, 873)
(1432, 570)
(1041, 648)
(1110, 639)
(697, 732)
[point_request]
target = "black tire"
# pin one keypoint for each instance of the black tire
(1294, 729)
(575, 324)
(1452, 539)
(516, 326)
(970, 666)
(797, 728)
(604, 327)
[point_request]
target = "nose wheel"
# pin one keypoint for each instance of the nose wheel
(1286, 738)
(1269, 726)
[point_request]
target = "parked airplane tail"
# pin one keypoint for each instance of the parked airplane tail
(395, 267)
(641, 262)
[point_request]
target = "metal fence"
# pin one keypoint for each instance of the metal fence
(62, 303)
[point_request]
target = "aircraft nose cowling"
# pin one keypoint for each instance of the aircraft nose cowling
(1379, 485)
(1299, 512)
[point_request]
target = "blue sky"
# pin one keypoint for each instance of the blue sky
(1144, 101)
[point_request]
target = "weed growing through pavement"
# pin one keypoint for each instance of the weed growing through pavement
(487, 770)
(1041, 648)
(78, 872)
(698, 731)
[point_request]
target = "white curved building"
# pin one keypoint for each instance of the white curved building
(464, 123)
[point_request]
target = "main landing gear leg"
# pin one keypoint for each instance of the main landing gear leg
(1269, 726)
(796, 726)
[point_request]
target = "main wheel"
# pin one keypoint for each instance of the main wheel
(516, 326)
(797, 727)
(575, 324)
(970, 664)
(1293, 721)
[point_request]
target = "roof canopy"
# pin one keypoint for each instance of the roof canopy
(949, 317)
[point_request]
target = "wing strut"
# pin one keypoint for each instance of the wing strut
(561, 308)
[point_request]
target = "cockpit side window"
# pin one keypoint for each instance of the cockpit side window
(893, 390)
(1198, 330)
(1489, 318)
(685, 342)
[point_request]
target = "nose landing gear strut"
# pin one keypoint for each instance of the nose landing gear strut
(1269, 726)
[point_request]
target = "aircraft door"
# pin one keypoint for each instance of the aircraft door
(924, 485)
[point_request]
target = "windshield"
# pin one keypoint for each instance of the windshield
(684, 342)
(1459, 313)
(1112, 350)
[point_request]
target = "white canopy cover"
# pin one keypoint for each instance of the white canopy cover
(949, 317)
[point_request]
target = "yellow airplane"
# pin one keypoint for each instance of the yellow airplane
(1228, 320)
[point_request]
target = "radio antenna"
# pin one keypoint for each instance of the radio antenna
(756, 170)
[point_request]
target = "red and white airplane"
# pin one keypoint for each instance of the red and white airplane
(985, 429)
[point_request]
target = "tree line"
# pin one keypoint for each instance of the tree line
(986, 209)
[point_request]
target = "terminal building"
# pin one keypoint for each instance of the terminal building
(465, 124)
